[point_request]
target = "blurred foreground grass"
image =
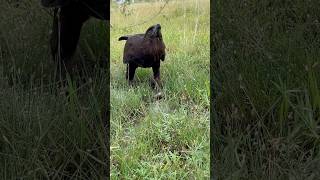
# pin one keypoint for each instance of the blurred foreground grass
(44, 133)
(266, 85)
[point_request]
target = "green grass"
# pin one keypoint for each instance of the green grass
(167, 138)
(45, 133)
(266, 84)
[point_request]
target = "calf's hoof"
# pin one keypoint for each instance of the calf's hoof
(155, 84)
(158, 96)
(130, 82)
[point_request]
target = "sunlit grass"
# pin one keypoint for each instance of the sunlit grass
(169, 138)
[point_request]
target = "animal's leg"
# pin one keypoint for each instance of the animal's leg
(131, 71)
(54, 41)
(127, 72)
(65, 35)
(156, 75)
(54, 35)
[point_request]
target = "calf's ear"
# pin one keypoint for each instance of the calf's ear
(148, 32)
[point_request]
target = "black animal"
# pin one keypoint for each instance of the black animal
(69, 16)
(144, 50)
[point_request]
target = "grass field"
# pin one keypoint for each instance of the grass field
(266, 88)
(168, 138)
(45, 133)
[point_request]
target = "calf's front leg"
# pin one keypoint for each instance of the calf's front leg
(156, 75)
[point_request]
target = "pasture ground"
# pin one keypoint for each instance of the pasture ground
(168, 138)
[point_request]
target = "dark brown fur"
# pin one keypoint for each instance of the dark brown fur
(144, 50)
(69, 17)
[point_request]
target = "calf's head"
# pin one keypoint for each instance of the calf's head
(154, 32)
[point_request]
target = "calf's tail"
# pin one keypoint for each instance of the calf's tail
(123, 38)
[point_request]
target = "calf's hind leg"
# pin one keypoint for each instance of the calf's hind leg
(131, 69)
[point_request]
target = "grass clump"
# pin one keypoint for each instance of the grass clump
(265, 75)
